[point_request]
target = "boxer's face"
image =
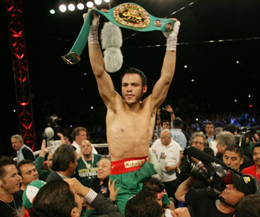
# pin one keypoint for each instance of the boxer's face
(132, 88)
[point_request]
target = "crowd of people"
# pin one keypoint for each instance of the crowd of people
(153, 168)
(39, 185)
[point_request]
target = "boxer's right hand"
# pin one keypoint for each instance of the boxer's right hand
(93, 33)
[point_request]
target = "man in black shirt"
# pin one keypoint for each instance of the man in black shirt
(10, 204)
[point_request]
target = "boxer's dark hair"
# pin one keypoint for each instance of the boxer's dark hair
(133, 70)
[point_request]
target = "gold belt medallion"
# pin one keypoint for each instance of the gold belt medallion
(131, 15)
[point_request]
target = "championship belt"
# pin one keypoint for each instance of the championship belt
(126, 15)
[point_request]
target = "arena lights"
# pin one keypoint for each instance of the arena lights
(80, 6)
(71, 6)
(98, 2)
(63, 8)
(90, 4)
(52, 11)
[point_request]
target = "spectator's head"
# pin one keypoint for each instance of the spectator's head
(256, 154)
(143, 204)
(165, 137)
(157, 186)
(56, 199)
(64, 159)
(17, 142)
(28, 172)
(209, 128)
(166, 124)
(242, 186)
(79, 134)
(248, 207)
(231, 128)
(49, 160)
(67, 140)
(233, 156)
(198, 140)
(103, 170)
(30, 193)
(218, 130)
(178, 123)
(86, 148)
(9, 178)
(223, 140)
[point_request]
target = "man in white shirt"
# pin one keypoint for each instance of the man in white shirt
(167, 151)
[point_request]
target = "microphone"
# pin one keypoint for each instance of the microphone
(202, 156)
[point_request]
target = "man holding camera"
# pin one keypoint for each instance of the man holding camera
(225, 203)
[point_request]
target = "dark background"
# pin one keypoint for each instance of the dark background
(70, 91)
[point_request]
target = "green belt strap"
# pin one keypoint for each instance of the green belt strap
(126, 15)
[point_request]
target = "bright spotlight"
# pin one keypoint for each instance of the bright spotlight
(98, 2)
(52, 11)
(90, 4)
(80, 6)
(71, 7)
(107, 0)
(62, 8)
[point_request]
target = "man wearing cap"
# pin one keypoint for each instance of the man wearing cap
(130, 121)
(224, 204)
(28, 197)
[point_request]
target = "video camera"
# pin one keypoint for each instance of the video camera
(215, 174)
(245, 136)
(53, 124)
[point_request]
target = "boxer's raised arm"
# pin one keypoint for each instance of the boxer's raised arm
(105, 84)
(161, 87)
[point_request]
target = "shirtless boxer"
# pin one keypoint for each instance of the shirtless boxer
(130, 121)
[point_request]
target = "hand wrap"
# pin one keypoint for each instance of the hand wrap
(172, 37)
(93, 33)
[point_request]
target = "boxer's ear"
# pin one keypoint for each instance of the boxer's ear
(145, 88)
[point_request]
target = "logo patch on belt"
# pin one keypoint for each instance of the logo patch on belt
(134, 163)
(131, 15)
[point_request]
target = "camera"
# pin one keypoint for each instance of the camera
(54, 121)
(53, 125)
(164, 114)
(245, 136)
(214, 174)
